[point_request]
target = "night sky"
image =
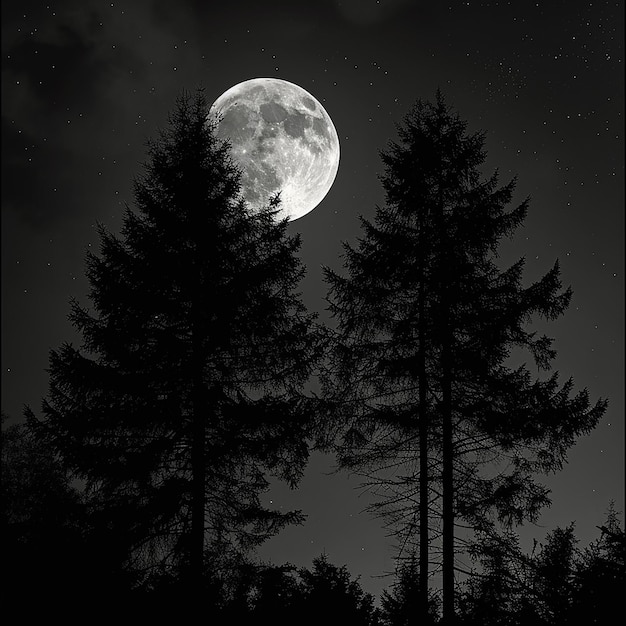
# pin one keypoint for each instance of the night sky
(85, 83)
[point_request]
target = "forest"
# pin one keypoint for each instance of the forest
(136, 488)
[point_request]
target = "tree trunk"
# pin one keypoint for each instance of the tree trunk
(447, 427)
(198, 466)
(196, 556)
(423, 508)
(447, 460)
(424, 452)
(448, 500)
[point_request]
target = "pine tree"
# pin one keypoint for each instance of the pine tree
(328, 593)
(47, 546)
(491, 594)
(600, 574)
(187, 390)
(402, 603)
(556, 583)
(432, 413)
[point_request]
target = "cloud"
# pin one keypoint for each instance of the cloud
(68, 87)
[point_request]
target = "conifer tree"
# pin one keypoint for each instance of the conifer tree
(557, 583)
(402, 602)
(600, 575)
(433, 414)
(187, 390)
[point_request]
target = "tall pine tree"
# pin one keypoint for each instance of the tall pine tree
(187, 390)
(433, 414)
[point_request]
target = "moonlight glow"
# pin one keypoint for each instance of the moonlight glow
(283, 140)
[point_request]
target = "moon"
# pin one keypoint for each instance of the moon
(283, 140)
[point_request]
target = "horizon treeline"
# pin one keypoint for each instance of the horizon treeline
(139, 482)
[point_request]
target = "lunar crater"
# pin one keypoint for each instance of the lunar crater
(272, 112)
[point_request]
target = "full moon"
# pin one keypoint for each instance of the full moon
(283, 140)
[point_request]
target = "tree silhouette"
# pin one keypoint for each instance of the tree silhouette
(556, 584)
(36, 492)
(600, 575)
(492, 595)
(328, 593)
(401, 605)
(187, 389)
(48, 545)
(273, 597)
(433, 414)
(286, 595)
(39, 518)
(511, 587)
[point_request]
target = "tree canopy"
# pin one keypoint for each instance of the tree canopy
(187, 390)
(433, 413)
(142, 478)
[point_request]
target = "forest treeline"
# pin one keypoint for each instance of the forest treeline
(138, 483)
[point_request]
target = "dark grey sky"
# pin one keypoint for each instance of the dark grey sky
(85, 83)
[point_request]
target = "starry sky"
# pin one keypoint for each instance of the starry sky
(86, 82)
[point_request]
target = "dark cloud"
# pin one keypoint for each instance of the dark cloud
(80, 70)
(65, 106)
(67, 62)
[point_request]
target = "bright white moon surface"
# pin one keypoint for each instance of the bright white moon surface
(283, 140)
